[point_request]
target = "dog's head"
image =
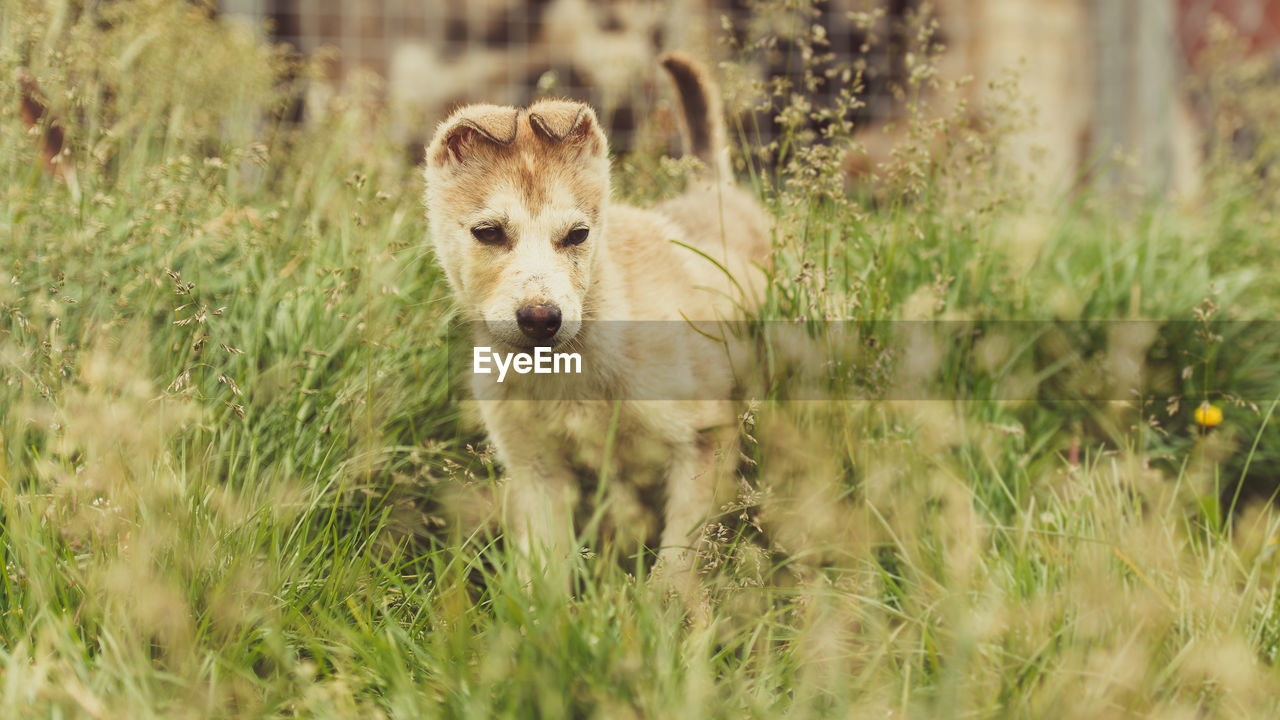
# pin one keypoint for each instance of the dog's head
(515, 202)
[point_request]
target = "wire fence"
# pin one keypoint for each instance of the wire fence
(1103, 74)
(435, 55)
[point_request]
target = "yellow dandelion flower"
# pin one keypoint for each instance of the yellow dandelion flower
(1208, 415)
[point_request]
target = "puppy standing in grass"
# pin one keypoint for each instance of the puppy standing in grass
(537, 255)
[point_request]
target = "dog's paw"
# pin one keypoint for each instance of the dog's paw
(676, 576)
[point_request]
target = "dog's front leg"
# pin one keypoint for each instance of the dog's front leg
(540, 492)
(539, 501)
(692, 484)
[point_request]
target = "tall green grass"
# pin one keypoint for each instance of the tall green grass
(233, 483)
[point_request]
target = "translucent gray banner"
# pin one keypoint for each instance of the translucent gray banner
(954, 360)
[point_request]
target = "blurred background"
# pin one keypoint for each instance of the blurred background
(1098, 77)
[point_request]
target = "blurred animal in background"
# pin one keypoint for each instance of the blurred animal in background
(512, 53)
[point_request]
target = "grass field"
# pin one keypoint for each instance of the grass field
(233, 482)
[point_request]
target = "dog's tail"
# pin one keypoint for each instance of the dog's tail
(703, 119)
(34, 109)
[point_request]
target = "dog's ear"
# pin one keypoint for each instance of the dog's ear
(457, 137)
(564, 121)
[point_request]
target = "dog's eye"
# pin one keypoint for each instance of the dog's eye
(488, 234)
(576, 236)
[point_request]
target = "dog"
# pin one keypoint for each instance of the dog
(537, 256)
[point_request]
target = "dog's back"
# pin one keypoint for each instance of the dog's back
(719, 219)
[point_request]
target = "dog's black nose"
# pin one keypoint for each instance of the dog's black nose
(538, 322)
